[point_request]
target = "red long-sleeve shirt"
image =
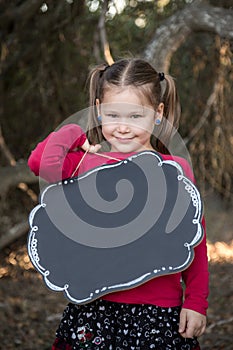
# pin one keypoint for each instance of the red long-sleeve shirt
(57, 157)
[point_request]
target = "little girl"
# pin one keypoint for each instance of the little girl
(131, 113)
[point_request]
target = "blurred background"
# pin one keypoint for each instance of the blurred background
(47, 51)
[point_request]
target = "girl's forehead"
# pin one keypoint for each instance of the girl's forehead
(127, 94)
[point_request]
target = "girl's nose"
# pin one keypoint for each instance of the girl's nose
(123, 127)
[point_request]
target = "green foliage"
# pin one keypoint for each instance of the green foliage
(43, 73)
(46, 55)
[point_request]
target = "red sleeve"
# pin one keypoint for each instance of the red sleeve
(196, 276)
(55, 158)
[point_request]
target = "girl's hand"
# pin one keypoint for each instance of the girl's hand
(192, 323)
(90, 148)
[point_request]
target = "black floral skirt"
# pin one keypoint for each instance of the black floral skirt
(115, 326)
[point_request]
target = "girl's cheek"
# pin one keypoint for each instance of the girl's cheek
(106, 131)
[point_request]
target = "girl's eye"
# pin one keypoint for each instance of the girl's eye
(112, 115)
(136, 116)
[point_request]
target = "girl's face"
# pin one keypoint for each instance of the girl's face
(127, 120)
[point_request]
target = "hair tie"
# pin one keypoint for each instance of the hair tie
(105, 68)
(102, 70)
(161, 76)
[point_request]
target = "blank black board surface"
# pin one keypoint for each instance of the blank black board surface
(115, 227)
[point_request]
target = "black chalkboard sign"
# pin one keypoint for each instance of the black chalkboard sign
(115, 227)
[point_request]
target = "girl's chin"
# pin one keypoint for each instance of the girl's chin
(127, 149)
(128, 146)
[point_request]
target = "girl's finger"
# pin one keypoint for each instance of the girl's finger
(86, 145)
(94, 148)
(90, 148)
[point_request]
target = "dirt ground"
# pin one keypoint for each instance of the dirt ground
(29, 312)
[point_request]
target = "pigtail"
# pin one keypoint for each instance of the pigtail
(171, 117)
(95, 82)
(171, 102)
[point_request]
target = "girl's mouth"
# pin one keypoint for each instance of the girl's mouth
(124, 139)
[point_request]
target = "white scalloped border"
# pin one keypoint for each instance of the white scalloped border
(189, 187)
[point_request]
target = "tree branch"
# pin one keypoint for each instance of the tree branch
(96, 49)
(103, 34)
(12, 176)
(14, 232)
(219, 323)
(196, 17)
(210, 102)
(5, 150)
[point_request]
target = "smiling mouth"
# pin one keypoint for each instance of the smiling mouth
(124, 139)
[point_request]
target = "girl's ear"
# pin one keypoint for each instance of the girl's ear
(159, 112)
(97, 103)
(160, 109)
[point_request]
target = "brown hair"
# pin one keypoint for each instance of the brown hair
(136, 73)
